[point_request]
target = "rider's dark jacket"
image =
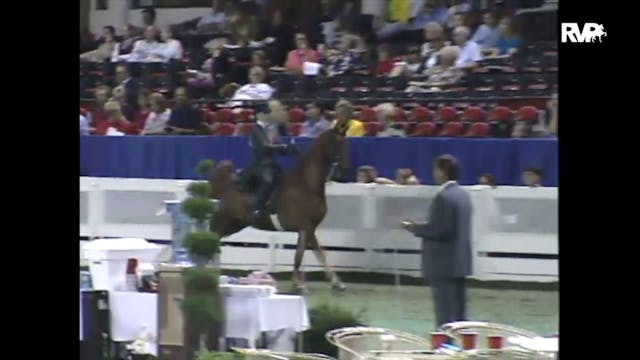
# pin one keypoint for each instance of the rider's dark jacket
(264, 151)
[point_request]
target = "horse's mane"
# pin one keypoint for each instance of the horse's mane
(318, 145)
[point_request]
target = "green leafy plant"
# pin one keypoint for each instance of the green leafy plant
(199, 189)
(324, 318)
(202, 243)
(201, 304)
(205, 166)
(198, 208)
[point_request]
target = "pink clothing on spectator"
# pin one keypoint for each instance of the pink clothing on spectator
(296, 58)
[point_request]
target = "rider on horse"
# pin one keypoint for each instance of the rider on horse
(265, 148)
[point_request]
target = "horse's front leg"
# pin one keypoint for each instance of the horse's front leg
(298, 283)
(336, 283)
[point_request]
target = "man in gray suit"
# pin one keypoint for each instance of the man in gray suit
(446, 242)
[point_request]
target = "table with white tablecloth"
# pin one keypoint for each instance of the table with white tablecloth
(246, 317)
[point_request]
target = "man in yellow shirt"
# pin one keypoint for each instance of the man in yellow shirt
(344, 112)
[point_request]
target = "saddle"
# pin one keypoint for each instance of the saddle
(250, 181)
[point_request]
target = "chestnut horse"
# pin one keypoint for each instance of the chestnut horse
(298, 204)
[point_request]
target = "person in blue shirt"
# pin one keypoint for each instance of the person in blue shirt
(488, 33)
(315, 123)
(509, 40)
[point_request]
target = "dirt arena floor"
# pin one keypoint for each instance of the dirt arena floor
(410, 308)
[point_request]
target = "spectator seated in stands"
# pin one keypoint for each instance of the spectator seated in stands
(488, 180)
(115, 123)
(303, 53)
(406, 177)
(509, 41)
(142, 113)
(278, 33)
(552, 106)
(385, 114)
(256, 89)
(85, 128)
(185, 118)
(106, 49)
(431, 11)
(216, 20)
(102, 95)
(532, 177)
(158, 119)
(243, 26)
(347, 57)
(436, 40)
(123, 49)
(488, 33)
(385, 61)
(316, 123)
(456, 13)
(344, 112)
(131, 87)
(148, 19)
(119, 95)
(441, 76)
(470, 52)
(369, 175)
(147, 49)
(409, 66)
(170, 48)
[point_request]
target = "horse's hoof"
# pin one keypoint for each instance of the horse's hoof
(339, 287)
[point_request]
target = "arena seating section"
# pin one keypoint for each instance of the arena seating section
(486, 103)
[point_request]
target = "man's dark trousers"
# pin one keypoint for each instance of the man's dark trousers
(449, 299)
(446, 251)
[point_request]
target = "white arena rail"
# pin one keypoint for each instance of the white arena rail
(515, 230)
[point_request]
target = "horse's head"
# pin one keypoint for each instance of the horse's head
(223, 176)
(336, 147)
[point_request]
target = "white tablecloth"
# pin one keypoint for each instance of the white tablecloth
(246, 318)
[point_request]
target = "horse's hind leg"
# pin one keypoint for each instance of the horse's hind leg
(336, 283)
(298, 283)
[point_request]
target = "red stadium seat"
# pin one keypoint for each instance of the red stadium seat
(367, 114)
(245, 129)
(296, 115)
(474, 114)
(478, 129)
(225, 129)
(421, 114)
(528, 114)
(246, 115)
(295, 129)
(424, 129)
(372, 128)
(225, 116)
(400, 115)
(208, 116)
(448, 114)
(501, 114)
(452, 128)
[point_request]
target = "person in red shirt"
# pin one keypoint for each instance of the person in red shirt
(97, 114)
(385, 61)
(141, 115)
(302, 53)
(115, 119)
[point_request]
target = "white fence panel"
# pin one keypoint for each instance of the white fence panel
(514, 228)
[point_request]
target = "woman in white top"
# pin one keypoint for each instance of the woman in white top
(256, 89)
(170, 49)
(159, 116)
(147, 49)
